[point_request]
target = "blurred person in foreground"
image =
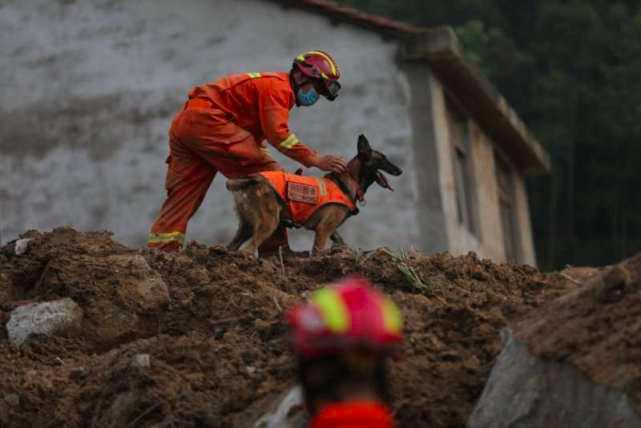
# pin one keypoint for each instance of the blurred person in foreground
(222, 128)
(343, 338)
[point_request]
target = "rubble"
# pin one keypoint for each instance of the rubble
(541, 390)
(21, 246)
(46, 318)
(142, 361)
(575, 361)
(211, 322)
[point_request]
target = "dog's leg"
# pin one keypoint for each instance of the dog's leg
(244, 201)
(263, 230)
(265, 218)
(325, 228)
(337, 240)
(324, 222)
(243, 233)
(320, 240)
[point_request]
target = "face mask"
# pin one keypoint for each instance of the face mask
(307, 98)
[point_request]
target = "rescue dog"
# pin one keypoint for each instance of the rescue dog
(261, 205)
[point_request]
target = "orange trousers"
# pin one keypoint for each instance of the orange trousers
(202, 142)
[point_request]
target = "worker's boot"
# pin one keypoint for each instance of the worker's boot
(278, 240)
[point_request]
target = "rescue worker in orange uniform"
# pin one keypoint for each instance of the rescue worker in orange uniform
(222, 128)
(343, 339)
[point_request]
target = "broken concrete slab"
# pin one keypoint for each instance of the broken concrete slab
(142, 361)
(527, 391)
(288, 411)
(21, 246)
(47, 318)
(17, 246)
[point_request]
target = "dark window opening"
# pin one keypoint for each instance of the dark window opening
(459, 133)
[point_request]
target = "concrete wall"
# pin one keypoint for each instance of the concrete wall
(454, 237)
(89, 88)
(491, 232)
(436, 208)
(428, 136)
(528, 254)
(487, 239)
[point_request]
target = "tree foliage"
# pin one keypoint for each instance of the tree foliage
(572, 70)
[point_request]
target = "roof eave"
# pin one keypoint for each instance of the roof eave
(341, 13)
(439, 46)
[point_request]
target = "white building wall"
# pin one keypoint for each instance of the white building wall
(89, 88)
(524, 226)
(460, 239)
(491, 232)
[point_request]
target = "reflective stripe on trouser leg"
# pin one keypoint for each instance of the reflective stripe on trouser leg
(157, 239)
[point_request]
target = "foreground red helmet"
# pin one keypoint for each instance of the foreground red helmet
(345, 316)
(320, 66)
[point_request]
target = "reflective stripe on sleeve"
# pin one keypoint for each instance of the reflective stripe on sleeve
(254, 75)
(289, 142)
(156, 238)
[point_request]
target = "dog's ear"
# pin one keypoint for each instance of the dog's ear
(364, 149)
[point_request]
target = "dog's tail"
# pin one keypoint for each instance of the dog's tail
(236, 184)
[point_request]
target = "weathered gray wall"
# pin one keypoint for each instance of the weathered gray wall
(438, 222)
(89, 88)
(427, 124)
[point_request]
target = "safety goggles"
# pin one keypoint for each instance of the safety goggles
(327, 88)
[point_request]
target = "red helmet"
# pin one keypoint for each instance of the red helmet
(344, 316)
(321, 67)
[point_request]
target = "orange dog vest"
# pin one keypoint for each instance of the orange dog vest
(304, 195)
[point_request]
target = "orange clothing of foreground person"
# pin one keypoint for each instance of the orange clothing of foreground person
(305, 195)
(221, 128)
(357, 414)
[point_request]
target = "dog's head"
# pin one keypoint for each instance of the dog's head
(372, 163)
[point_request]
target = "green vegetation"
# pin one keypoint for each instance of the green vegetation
(403, 262)
(572, 70)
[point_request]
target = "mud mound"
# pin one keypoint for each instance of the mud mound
(580, 357)
(211, 323)
(597, 329)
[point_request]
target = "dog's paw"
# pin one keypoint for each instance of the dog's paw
(340, 249)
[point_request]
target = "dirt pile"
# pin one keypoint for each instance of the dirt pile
(597, 329)
(211, 323)
(580, 357)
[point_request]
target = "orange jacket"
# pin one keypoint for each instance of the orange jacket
(259, 103)
(304, 195)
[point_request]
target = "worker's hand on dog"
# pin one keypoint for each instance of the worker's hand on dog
(331, 163)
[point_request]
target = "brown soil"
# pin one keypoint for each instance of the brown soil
(597, 328)
(218, 342)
